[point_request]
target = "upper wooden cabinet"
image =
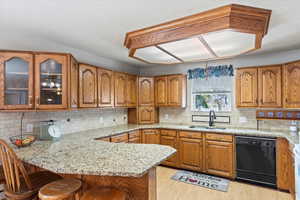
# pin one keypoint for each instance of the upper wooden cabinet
(269, 86)
(291, 85)
(146, 91)
(105, 88)
(131, 91)
(170, 90)
(51, 91)
(120, 89)
(246, 87)
(16, 80)
(147, 115)
(161, 91)
(87, 86)
(73, 83)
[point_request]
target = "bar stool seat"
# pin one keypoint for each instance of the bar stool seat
(105, 193)
(61, 189)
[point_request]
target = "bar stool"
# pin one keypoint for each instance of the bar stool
(105, 193)
(61, 189)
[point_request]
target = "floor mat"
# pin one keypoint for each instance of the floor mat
(202, 180)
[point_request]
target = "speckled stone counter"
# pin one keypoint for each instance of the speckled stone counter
(79, 153)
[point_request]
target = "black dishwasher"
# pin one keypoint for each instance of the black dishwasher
(256, 160)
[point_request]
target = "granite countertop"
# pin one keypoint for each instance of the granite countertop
(80, 153)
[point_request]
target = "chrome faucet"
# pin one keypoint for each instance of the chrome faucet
(212, 116)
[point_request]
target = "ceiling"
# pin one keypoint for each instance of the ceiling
(98, 27)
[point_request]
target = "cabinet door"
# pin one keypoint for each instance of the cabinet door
(16, 75)
(172, 142)
(131, 90)
(73, 83)
(105, 88)
(87, 86)
(146, 91)
(120, 89)
(191, 154)
(246, 87)
(291, 174)
(269, 89)
(51, 81)
(146, 115)
(175, 90)
(219, 158)
(282, 164)
(291, 74)
(161, 92)
(151, 136)
(135, 140)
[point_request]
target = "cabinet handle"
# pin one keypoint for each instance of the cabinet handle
(150, 133)
(286, 100)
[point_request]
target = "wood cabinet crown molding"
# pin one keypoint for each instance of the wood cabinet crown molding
(233, 17)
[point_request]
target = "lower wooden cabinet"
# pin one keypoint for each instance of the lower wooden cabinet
(134, 137)
(219, 158)
(191, 154)
(282, 163)
(150, 136)
(169, 138)
(120, 138)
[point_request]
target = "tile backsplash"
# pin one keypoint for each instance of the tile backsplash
(79, 120)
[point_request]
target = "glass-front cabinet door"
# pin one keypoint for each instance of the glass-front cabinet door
(16, 80)
(51, 81)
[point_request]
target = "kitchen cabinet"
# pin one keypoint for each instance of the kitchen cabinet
(169, 138)
(120, 89)
(161, 94)
(246, 87)
(135, 137)
(191, 150)
(147, 115)
(131, 91)
(177, 90)
(73, 83)
(219, 155)
(122, 138)
(146, 91)
(106, 139)
(269, 86)
(283, 164)
(51, 90)
(291, 85)
(105, 88)
(170, 90)
(150, 136)
(87, 86)
(16, 80)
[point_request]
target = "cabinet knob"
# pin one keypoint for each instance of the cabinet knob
(30, 100)
(37, 100)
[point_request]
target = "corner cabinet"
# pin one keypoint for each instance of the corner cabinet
(246, 87)
(106, 90)
(16, 80)
(146, 91)
(291, 85)
(120, 89)
(87, 86)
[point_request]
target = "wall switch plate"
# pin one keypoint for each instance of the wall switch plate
(29, 128)
(243, 120)
(166, 116)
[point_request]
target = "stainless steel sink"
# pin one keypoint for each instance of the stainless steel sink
(207, 127)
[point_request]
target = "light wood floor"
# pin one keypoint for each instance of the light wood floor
(168, 189)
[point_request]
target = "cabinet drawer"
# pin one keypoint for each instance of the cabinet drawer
(168, 132)
(190, 134)
(219, 137)
(134, 134)
(120, 138)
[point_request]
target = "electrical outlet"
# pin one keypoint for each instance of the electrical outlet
(29, 128)
(166, 116)
(101, 120)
